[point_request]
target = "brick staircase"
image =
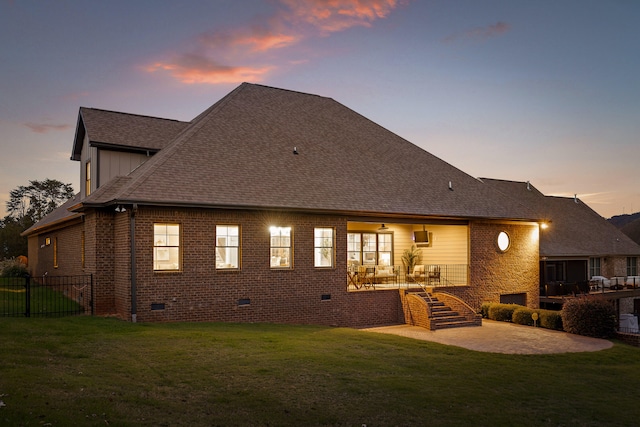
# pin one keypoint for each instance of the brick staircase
(443, 317)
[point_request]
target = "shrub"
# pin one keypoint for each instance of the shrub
(12, 268)
(484, 310)
(592, 317)
(550, 319)
(522, 316)
(502, 312)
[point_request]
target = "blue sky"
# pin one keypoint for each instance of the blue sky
(540, 91)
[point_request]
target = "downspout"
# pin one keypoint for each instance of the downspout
(132, 233)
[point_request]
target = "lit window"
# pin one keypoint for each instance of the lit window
(384, 249)
(354, 249)
(369, 249)
(323, 247)
(227, 247)
(82, 241)
(281, 247)
(87, 178)
(166, 247)
(369, 246)
(55, 252)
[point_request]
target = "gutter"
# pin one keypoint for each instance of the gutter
(132, 239)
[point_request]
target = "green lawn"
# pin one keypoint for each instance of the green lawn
(44, 300)
(97, 371)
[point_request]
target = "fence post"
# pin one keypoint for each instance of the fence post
(27, 303)
(91, 294)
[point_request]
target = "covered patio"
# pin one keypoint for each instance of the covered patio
(406, 255)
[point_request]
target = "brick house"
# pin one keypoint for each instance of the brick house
(260, 209)
(577, 246)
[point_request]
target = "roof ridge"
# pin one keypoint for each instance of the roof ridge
(146, 116)
(147, 168)
(287, 90)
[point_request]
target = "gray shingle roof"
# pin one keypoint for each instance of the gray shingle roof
(575, 230)
(60, 215)
(240, 153)
(124, 130)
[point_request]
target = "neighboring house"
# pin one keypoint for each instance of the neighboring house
(259, 209)
(577, 244)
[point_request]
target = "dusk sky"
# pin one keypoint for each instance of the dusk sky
(540, 91)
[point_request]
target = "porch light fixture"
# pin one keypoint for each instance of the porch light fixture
(383, 228)
(503, 241)
(121, 208)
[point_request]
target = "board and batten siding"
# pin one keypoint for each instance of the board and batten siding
(118, 163)
(449, 243)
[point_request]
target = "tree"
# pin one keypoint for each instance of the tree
(11, 243)
(32, 202)
(26, 206)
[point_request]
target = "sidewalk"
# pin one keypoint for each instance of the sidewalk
(501, 337)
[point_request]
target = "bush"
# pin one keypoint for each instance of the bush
(13, 268)
(522, 316)
(502, 312)
(550, 319)
(484, 310)
(591, 317)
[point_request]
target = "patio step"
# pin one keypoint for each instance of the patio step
(442, 316)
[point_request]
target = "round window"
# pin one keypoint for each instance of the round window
(503, 241)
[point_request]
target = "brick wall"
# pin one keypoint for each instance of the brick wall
(415, 310)
(302, 295)
(492, 272)
(199, 292)
(99, 259)
(614, 266)
(66, 241)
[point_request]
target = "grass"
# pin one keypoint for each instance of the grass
(43, 299)
(97, 372)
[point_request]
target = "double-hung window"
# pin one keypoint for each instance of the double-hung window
(87, 178)
(323, 244)
(354, 249)
(227, 247)
(632, 266)
(55, 252)
(166, 247)
(281, 247)
(369, 248)
(594, 267)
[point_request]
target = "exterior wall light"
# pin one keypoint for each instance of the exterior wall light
(503, 241)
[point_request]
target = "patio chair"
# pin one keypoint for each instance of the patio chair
(385, 273)
(599, 282)
(418, 274)
(434, 274)
(632, 282)
(366, 276)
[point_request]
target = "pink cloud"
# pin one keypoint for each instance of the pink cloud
(45, 128)
(339, 15)
(256, 38)
(234, 49)
(193, 68)
(481, 33)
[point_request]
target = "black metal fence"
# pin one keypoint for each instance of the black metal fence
(46, 296)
